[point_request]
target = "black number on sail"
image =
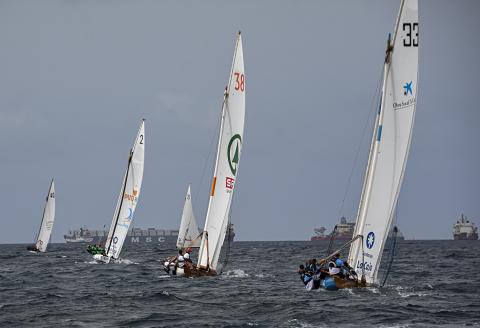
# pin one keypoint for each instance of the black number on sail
(141, 139)
(412, 39)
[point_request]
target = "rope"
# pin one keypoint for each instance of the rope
(210, 151)
(227, 253)
(332, 236)
(355, 160)
(392, 255)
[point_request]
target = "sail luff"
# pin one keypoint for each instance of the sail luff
(203, 242)
(356, 246)
(116, 214)
(43, 214)
(397, 22)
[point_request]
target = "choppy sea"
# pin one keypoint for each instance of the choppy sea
(432, 283)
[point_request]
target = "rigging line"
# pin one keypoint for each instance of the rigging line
(122, 193)
(392, 255)
(210, 151)
(393, 244)
(332, 236)
(44, 210)
(355, 160)
(227, 252)
(228, 229)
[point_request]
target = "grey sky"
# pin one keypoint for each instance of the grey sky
(76, 77)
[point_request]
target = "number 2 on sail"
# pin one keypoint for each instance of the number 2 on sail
(240, 81)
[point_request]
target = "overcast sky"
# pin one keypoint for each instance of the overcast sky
(76, 77)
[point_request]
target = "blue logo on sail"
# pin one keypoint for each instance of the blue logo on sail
(370, 239)
(408, 88)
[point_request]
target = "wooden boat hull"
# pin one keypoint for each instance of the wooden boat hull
(335, 283)
(193, 271)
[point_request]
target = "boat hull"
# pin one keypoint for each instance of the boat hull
(102, 259)
(335, 283)
(466, 236)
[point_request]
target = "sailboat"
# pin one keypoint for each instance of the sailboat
(127, 200)
(46, 226)
(188, 234)
(225, 169)
(388, 150)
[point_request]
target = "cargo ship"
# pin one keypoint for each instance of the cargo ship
(464, 229)
(344, 231)
(134, 236)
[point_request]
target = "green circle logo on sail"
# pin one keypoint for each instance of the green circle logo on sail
(233, 146)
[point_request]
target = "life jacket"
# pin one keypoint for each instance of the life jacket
(180, 261)
(339, 263)
(306, 278)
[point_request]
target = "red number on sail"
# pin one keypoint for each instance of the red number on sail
(240, 80)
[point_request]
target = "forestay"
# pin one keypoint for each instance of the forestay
(188, 235)
(128, 198)
(226, 164)
(390, 144)
(43, 237)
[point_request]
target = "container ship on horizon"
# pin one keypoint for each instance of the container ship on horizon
(134, 236)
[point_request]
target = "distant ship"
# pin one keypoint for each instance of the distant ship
(464, 229)
(344, 231)
(134, 236)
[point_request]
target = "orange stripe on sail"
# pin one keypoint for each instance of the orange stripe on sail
(214, 182)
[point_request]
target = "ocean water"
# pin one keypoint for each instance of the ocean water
(432, 283)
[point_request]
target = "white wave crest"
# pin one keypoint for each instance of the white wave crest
(237, 273)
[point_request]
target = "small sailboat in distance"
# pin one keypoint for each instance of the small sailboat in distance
(127, 200)
(46, 226)
(388, 154)
(225, 170)
(188, 235)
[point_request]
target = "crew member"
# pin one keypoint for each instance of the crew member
(186, 255)
(332, 269)
(305, 276)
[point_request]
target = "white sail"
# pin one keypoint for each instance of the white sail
(188, 235)
(43, 237)
(390, 144)
(226, 164)
(128, 198)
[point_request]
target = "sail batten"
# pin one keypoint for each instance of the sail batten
(390, 144)
(128, 197)
(226, 163)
